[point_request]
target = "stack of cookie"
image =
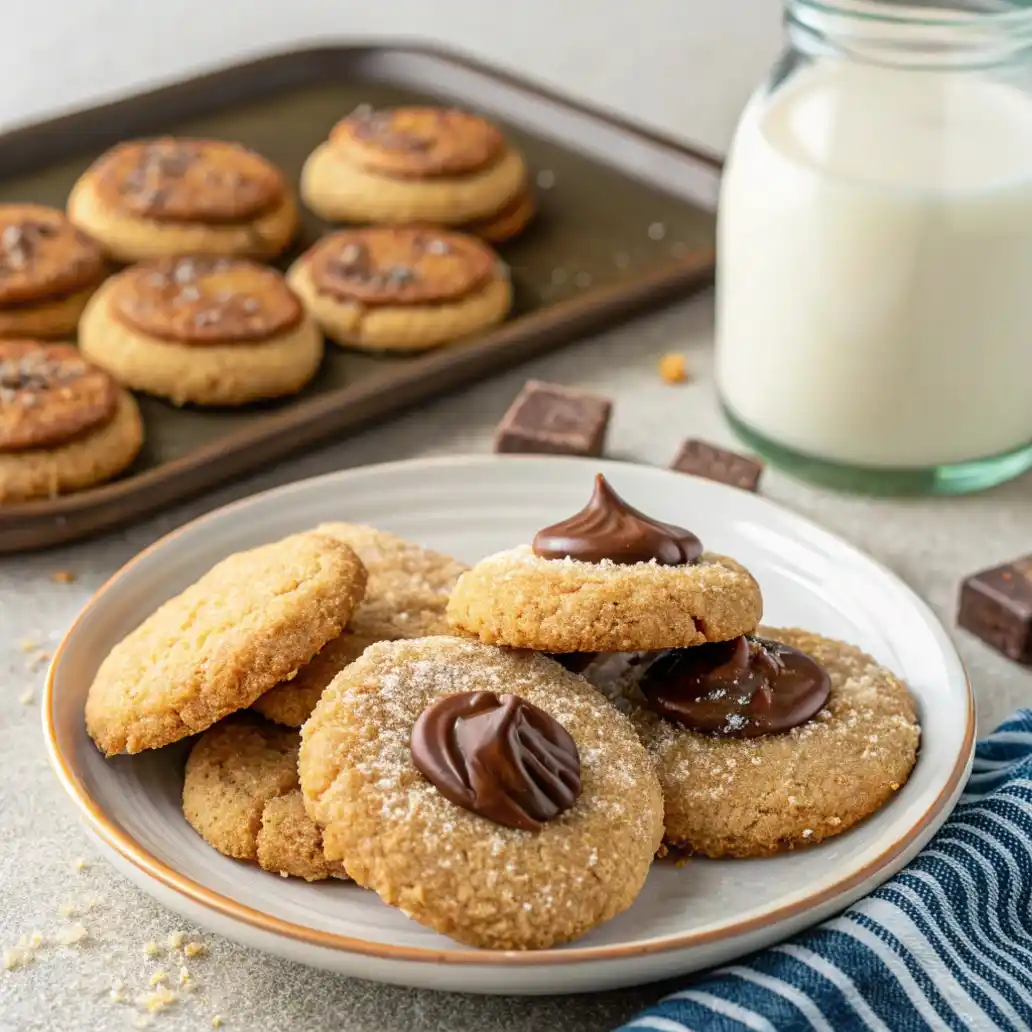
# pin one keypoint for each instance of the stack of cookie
(453, 754)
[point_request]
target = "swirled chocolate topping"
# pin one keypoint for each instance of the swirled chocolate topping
(498, 756)
(742, 688)
(608, 528)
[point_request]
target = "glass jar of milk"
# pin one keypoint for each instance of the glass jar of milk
(874, 290)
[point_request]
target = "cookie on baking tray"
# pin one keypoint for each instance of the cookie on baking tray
(242, 796)
(249, 623)
(65, 425)
(767, 742)
(425, 165)
(608, 579)
(401, 288)
(406, 597)
(48, 270)
(206, 331)
(174, 196)
(487, 793)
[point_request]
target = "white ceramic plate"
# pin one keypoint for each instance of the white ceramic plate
(702, 914)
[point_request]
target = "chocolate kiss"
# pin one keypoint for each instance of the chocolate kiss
(608, 528)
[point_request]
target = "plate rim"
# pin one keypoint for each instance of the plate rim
(137, 855)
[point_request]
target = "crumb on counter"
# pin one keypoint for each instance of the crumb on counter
(216, 1022)
(29, 644)
(156, 1000)
(158, 977)
(64, 576)
(151, 949)
(73, 935)
(194, 949)
(673, 368)
(80, 864)
(17, 957)
(26, 697)
(175, 940)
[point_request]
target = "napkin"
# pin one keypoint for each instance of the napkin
(945, 944)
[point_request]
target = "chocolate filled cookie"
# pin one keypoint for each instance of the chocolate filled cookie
(173, 196)
(768, 742)
(435, 166)
(394, 288)
(206, 331)
(48, 271)
(487, 793)
(241, 795)
(608, 579)
(65, 425)
(406, 597)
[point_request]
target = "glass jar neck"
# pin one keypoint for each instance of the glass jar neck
(950, 34)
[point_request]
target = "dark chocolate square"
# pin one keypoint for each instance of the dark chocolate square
(996, 605)
(713, 463)
(550, 419)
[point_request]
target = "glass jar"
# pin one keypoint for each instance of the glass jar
(874, 285)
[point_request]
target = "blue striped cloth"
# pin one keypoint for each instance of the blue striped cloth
(946, 944)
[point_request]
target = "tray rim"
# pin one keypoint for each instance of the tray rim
(138, 856)
(44, 523)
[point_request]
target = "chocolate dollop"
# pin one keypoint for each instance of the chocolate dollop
(608, 528)
(742, 688)
(499, 756)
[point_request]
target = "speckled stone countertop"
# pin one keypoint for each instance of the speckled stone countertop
(932, 544)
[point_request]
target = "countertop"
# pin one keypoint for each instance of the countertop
(930, 543)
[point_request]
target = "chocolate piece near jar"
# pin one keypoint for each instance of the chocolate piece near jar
(744, 688)
(498, 756)
(996, 605)
(608, 528)
(549, 419)
(726, 467)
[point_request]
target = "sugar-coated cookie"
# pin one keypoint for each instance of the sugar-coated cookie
(249, 623)
(433, 166)
(487, 793)
(241, 795)
(768, 773)
(406, 597)
(609, 579)
(204, 331)
(401, 289)
(177, 196)
(48, 271)
(65, 425)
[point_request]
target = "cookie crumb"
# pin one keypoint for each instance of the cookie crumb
(546, 179)
(73, 935)
(193, 949)
(151, 949)
(157, 1000)
(80, 864)
(175, 940)
(657, 231)
(158, 977)
(29, 644)
(33, 941)
(216, 1022)
(68, 910)
(673, 368)
(64, 576)
(26, 697)
(17, 957)
(184, 976)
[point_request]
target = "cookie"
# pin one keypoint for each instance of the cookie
(241, 795)
(202, 331)
(558, 814)
(609, 579)
(507, 222)
(406, 597)
(732, 796)
(65, 425)
(434, 166)
(48, 271)
(176, 196)
(252, 621)
(391, 288)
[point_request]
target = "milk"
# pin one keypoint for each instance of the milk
(875, 266)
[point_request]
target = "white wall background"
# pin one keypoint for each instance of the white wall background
(683, 66)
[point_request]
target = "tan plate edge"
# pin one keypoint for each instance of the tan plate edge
(132, 851)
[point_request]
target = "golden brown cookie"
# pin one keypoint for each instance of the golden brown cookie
(742, 797)
(249, 623)
(64, 424)
(507, 222)
(583, 842)
(177, 196)
(406, 597)
(241, 795)
(206, 331)
(394, 288)
(48, 270)
(434, 166)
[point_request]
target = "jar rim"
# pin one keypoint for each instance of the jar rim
(892, 12)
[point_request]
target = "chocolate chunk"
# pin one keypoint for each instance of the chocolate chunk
(575, 662)
(713, 463)
(742, 688)
(996, 605)
(498, 756)
(549, 419)
(608, 528)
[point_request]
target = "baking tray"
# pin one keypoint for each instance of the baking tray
(626, 224)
